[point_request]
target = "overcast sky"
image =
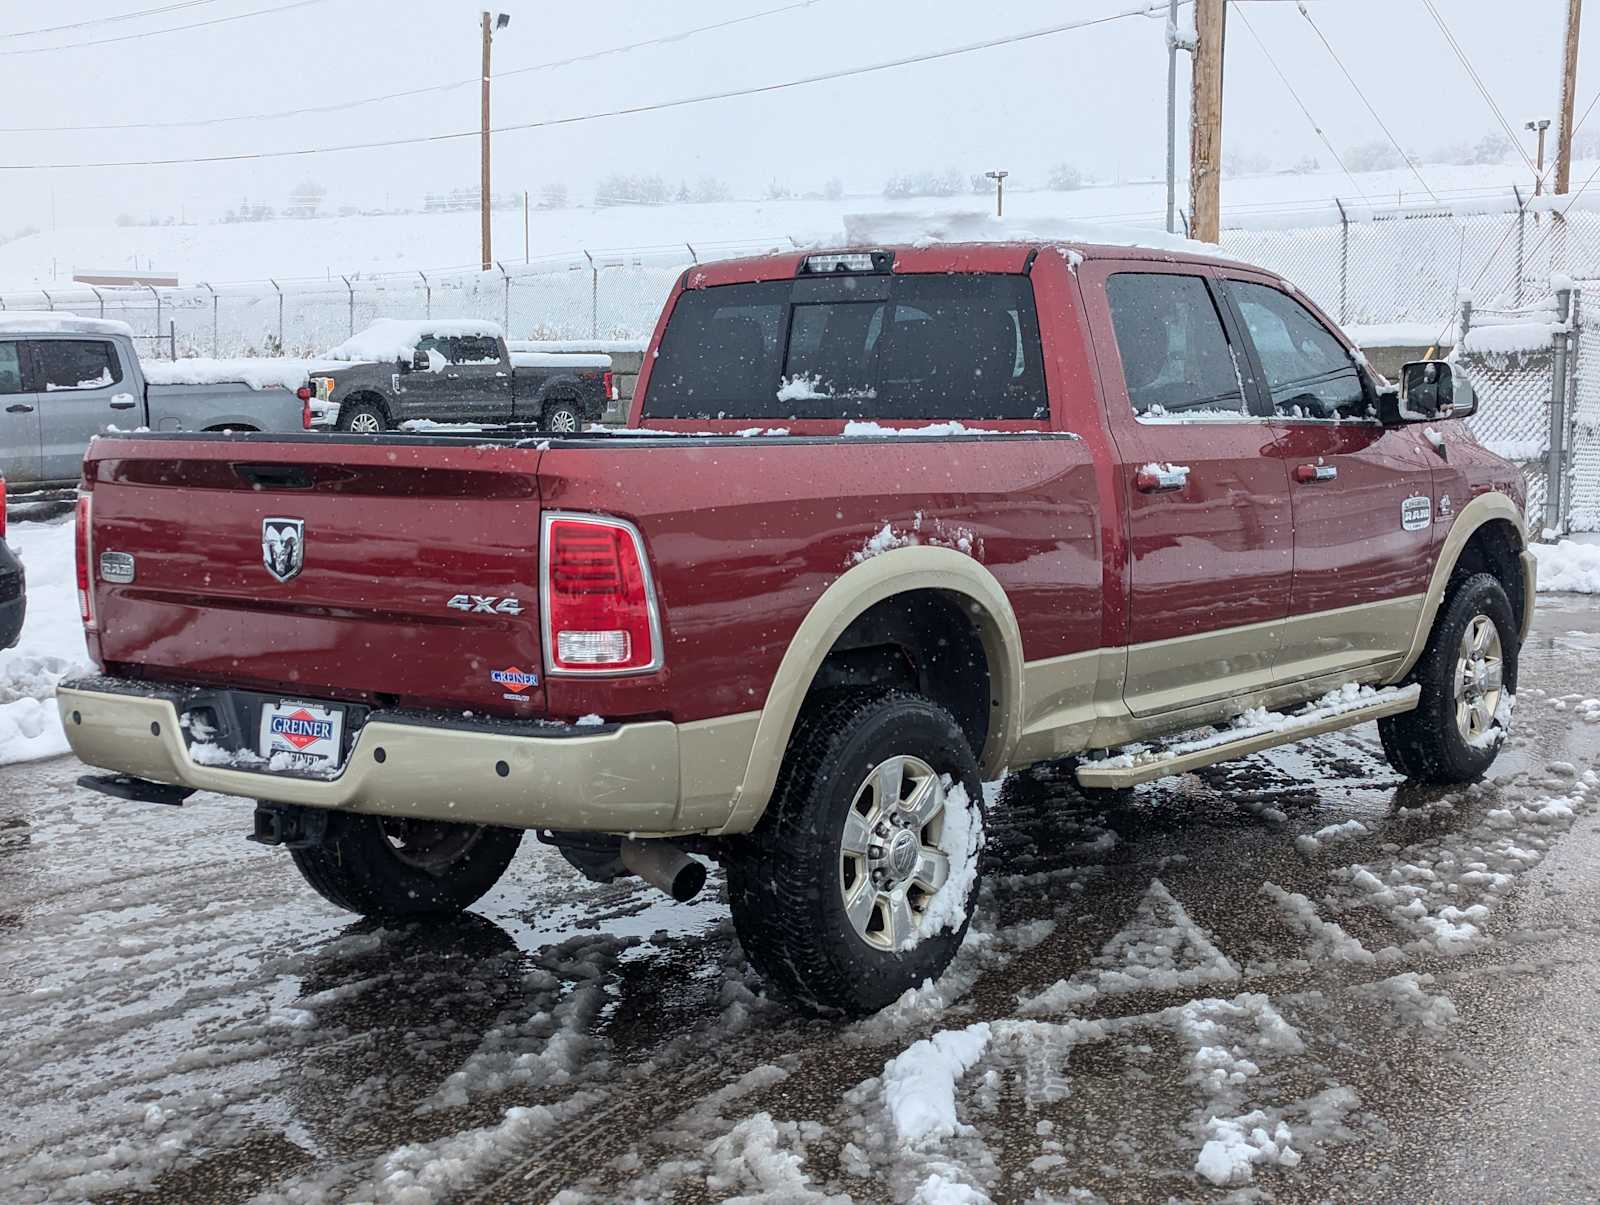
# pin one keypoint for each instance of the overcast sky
(1091, 96)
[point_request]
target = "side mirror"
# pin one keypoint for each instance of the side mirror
(419, 361)
(1432, 390)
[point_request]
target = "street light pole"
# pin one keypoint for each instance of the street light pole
(999, 179)
(1540, 125)
(499, 21)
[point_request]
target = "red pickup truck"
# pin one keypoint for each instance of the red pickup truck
(889, 522)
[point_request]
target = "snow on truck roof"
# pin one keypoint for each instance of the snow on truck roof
(396, 338)
(923, 229)
(35, 322)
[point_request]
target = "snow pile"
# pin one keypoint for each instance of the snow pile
(51, 646)
(1568, 566)
(930, 227)
(1236, 1143)
(1409, 996)
(1507, 340)
(856, 429)
(961, 839)
(396, 338)
(919, 1084)
(259, 373)
(1516, 449)
(1333, 833)
(48, 321)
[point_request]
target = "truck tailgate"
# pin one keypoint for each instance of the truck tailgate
(415, 580)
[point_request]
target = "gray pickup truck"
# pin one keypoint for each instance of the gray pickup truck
(456, 371)
(65, 379)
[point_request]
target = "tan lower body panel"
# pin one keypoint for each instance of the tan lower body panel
(649, 778)
(1392, 703)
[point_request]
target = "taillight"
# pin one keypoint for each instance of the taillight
(304, 395)
(2, 508)
(608, 383)
(599, 603)
(84, 544)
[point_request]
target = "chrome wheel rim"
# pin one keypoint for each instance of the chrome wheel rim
(1480, 676)
(563, 420)
(890, 863)
(365, 424)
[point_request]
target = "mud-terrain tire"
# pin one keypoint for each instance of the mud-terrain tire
(1431, 743)
(382, 867)
(363, 418)
(788, 880)
(561, 418)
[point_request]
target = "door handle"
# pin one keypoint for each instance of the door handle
(452, 376)
(1309, 474)
(1161, 478)
(19, 408)
(123, 405)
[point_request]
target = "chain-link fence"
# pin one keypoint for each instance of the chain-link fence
(592, 295)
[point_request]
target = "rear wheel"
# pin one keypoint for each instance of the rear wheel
(1467, 673)
(857, 883)
(561, 418)
(385, 866)
(362, 418)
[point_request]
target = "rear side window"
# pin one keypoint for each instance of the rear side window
(76, 364)
(953, 346)
(1309, 372)
(471, 349)
(10, 368)
(1175, 355)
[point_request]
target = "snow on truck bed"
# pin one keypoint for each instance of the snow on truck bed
(551, 359)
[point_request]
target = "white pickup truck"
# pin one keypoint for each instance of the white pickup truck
(65, 379)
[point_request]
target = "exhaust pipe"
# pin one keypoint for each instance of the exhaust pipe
(664, 865)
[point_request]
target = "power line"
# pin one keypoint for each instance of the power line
(155, 33)
(551, 64)
(1477, 81)
(1320, 133)
(144, 12)
(1304, 12)
(626, 111)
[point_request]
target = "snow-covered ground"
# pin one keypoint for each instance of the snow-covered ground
(1570, 565)
(51, 645)
(328, 247)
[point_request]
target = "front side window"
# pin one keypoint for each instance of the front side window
(77, 364)
(1175, 354)
(1308, 371)
(10, 368)
(918, 346)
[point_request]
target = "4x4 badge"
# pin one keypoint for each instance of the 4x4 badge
(283, 547)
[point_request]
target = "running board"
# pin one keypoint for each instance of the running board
(1139, 763)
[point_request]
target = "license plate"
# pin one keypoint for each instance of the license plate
(301, 736)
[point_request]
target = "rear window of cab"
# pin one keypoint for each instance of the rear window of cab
(912, 346)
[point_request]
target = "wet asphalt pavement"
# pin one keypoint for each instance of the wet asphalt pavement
(1401, 1009)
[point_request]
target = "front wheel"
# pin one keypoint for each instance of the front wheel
(362, 418)
(386, 867)
(858, 882)
(1468, 675)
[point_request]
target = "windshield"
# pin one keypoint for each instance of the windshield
(948, 346)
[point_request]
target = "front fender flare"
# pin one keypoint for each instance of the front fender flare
(899, 571)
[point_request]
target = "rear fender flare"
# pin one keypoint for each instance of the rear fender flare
(898, 571)
(1485, 508)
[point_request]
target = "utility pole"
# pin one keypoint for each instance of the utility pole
(1205, 121)
(1539, 125)
(999, 179)
(498, 22)
(1569, 85)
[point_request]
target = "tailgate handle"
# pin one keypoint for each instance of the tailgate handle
(276, 476)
